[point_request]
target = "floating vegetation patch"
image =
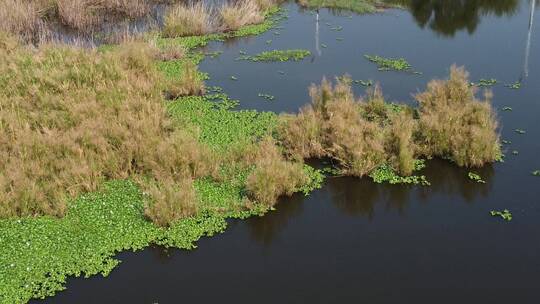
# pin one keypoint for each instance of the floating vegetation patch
(507, 109)
(277, 55)
(506, 142)
(365, 83)
(234, 78)
(485, 82)
(385, 174)
(337, 28)
(357, 6)
(516, 85)
(214, 54)
(475, 177)
(515, 152)
(505, 214)
(339, 38)
(389, 64)
(266, 96)
(536, 173)
(519, 131)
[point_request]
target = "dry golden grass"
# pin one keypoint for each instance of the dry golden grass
(171, 203)
(188, 83)
(367, 133)
(273, 175)
(72, 118)
(188, 20)
(456, 125)
(22, 19)
(240, 13)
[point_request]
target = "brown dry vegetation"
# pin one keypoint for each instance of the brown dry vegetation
(189, 20)
(72, 118)
(240, 13)
(456, 125)
(367, 133)
(30, 19)
(273, 175)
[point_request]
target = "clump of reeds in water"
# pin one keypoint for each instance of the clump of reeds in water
(364, 134)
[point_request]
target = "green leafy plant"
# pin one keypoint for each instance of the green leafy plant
(266, 96)
(277, 55)
(485, 82)
(475, 177)
(505, 214)
(520, 131)
(388, 64)
(516, 85)
(536, 173)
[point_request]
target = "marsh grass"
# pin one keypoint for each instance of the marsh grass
(189, 20)
(73, 118)
(454, 124)
(273, 176)
(235, 15)
(366, 134)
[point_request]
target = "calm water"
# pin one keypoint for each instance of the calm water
(353, 241)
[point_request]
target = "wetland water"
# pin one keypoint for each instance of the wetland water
(355, 241)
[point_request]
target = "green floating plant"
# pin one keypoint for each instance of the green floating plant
(515, 152)
(213, 54)
(505, 214)
(507, 109)
(536, 173)
(266, 96)
(385, 173)
(506, 142)
(516, 85)
(268, 41)
(324, 45)
(277, 55)
(337, 28)
(388, 64)
(234, 78)
(241, 52)
(281, 72)
(475, 177)
(485, 82)
(339, 38)
(364, 83)
(520, 131)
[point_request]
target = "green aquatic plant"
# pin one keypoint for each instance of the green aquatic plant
(357, 6)
(234, 77)
(385, 173)
(485, 82)
(505, 214)
(536, 173)
(269, 41)
(388, 64)
(519, 131)
(475, 177)
(507, 109)
(515, 152)
(266, 96)
(214, 54)
(365, 83)
(516, 85)
(506, 142)
(337, 28)
(277, 55)
(339, 38)
(324, 45)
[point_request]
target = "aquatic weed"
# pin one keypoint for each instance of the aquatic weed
(475, 177)
(387, 64)
(277, 55)
(505, 214)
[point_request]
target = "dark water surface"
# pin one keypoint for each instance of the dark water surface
(354, 241)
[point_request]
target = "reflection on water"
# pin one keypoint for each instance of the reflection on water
(446, 17)
(361, 197)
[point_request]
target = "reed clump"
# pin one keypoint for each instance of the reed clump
(236, 14)
(454, 124)
(273, 175)
(365, 134)
(189, 20)
(72, 118)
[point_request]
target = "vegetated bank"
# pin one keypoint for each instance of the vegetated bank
(95, 161)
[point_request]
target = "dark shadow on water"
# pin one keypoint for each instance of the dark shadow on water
(447, 17)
